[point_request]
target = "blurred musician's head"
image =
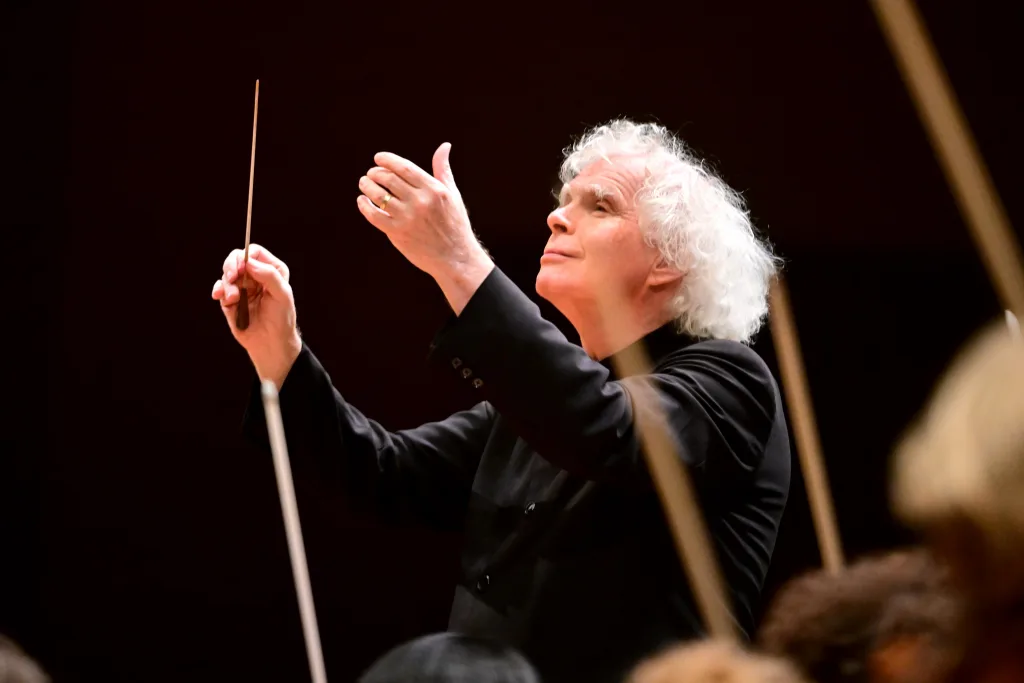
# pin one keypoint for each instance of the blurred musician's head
(18, 667)
(886, 619)
(713, 662)
(958, 475)
(451, 658)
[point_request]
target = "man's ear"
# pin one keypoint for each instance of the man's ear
(663, 274)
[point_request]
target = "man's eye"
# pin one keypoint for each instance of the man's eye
(602, 207)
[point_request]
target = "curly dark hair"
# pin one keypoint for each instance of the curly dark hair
(836, 627)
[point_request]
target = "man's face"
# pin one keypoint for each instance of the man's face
(596, 246)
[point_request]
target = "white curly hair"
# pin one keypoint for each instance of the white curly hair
(697, 222)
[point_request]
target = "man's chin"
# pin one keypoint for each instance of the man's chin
(553, 287)
(546, 285)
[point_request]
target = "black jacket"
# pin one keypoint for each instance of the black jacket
(567, 555)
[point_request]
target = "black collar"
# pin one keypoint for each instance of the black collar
(658, 344)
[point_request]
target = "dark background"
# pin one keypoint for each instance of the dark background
(143, 541)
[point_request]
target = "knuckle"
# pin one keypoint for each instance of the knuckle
(439, 192)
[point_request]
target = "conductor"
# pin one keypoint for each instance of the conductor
(567, 555)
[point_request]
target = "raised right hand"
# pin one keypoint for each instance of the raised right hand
(272, 338)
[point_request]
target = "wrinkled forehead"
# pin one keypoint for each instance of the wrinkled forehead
(609, 176)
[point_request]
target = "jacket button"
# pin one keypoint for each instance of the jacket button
(477, 383)
(466, 373)
(456, 362)
(483, 583)
(530, 508)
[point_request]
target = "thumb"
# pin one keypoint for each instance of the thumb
(266, 275)
(442, 167)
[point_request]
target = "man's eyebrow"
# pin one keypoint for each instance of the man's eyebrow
(596, 192)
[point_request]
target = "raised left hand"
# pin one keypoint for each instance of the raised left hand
(423, 215)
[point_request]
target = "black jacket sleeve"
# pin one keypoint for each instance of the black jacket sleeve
(428, 470)
(717, 396)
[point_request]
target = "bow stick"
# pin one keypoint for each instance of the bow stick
(1014, 325)
(805, 430)
(242, 310)
(675, 489)
(293, 530)
(950, 136)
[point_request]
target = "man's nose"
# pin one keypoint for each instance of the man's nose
(559, 221)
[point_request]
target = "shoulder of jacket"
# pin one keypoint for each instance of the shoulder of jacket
(722, 351)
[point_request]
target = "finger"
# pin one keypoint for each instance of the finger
(229, 314)
(404, 169)
(390, 182)
(442, 165)
(229, 280)
(377, 218)
(232, 261)
(229, 293)
(261, 253)
(268, 276)
(378, 195)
